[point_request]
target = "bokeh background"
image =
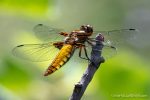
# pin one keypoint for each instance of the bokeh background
(122, 77)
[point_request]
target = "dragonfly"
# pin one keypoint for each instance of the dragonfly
(60, 46)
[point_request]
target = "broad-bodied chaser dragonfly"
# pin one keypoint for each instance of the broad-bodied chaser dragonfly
(65, 44)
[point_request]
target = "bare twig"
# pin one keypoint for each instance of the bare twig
(94, 64)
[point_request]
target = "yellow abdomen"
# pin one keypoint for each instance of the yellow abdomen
(62, 57)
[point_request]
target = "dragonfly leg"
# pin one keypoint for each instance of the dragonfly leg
(85, 51)
(90, 41)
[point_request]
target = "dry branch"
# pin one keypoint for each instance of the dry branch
(95, 61)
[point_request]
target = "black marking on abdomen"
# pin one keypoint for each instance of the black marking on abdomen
(54, 67)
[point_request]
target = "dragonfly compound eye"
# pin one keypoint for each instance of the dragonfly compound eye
(87, 28)
(83, 27)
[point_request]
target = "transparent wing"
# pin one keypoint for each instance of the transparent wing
(115, 39)
(108, 51)
(47, 33)
(120, 37)
(77, 60)
(36, 52)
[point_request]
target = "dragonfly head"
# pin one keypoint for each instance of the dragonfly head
(100, 37)
(87, 28)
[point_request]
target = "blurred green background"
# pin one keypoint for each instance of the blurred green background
(123, 77)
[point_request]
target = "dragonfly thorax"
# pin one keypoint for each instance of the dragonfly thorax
(70, 40)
